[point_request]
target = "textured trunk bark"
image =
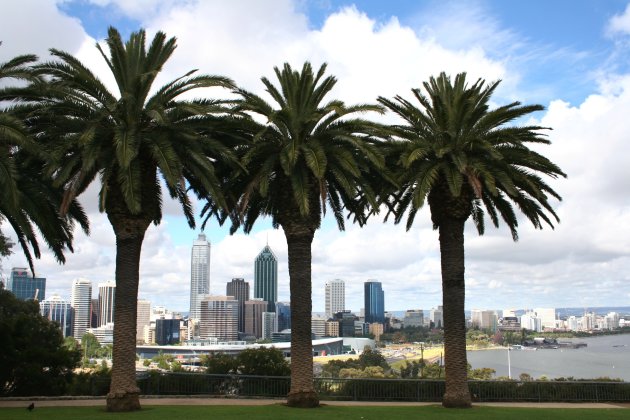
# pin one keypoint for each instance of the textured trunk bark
(124, 392)
(457, 394)
(302, 392)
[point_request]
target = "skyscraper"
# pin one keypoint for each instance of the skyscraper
(218, 318)
(58, 310)
(254, 310)
(335, 297)
(283, 316)
(81, 301)
(374, 302)
(106, 298)
(239, 290)
(143, 318)
(24, 286)
(266, 278)
(199, 274)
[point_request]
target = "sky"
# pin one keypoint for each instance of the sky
(571, 56)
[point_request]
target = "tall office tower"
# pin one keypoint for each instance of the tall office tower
(254, 317)
(218, 317)
(266, 278)
(199, 274)
(81, 301)
(24, 286)
(106, 298)
(143, 318)
(283, 316)
(239, 290)
(335, 297)
(58, 310)
(374, 302)
(269, 325)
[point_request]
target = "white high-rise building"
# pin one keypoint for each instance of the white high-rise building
(335, 297)
(143, 318)
(547, 317)
(106, 299)
(219, 318)
(199, 274)
(81, 301)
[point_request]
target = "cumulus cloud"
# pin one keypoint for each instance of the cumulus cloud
(620, 24)
(583, 262)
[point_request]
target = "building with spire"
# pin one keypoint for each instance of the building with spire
(199, 274)
(335, 297)
(81, 301)
(266, 278)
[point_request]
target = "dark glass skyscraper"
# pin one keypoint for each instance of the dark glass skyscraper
(167, 331)
(239, 290)
(266, 278)
(374, 302)
(24, 286)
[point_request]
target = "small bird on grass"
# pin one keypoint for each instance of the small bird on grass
(31, 407)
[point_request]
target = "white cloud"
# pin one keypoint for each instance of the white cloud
(583, 262)
(619, 24)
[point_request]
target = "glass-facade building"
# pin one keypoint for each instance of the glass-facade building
(167, 331)
(283, 316)
(24, 286)
(266, 278)
(60, 311)
(199, 274)
(374, 302)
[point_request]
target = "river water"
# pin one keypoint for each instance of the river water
(605, 356)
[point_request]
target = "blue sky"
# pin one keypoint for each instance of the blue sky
(569, 55)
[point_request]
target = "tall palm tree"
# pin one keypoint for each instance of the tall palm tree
(305, 156)
(136, 143)
(467, 160)
(29, 199)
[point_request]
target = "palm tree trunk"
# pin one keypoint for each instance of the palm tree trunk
(124, 392)
(302, 392)
(453, 298)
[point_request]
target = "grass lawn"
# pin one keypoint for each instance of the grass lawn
(275, 412)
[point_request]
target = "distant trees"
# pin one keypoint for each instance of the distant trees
(363, 366)
(33, 358)
(262, 361)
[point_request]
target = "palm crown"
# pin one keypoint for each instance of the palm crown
(29, 199)
(308, 154)
(126, 138)
(465, 159)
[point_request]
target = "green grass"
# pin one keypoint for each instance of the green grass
(275, 412)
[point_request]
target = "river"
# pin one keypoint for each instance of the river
(605, 356)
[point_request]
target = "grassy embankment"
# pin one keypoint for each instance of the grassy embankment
(278, 411)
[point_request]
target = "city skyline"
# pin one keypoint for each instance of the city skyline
(571, 59)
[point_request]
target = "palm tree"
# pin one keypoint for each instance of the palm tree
(29, 199)
(136, 143)
(307, 154)
(465, 160)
